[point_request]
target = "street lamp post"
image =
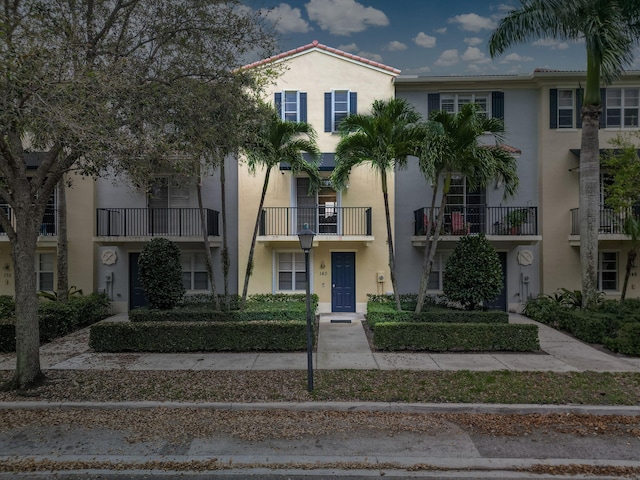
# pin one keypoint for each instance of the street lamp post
(306, 241)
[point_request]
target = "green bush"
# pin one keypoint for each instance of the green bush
(408, 301)
(7, 306)
(7, 335)
(473, 273)
(378, 312)
(627, 340)
(161, 273)
(456, 337)
(199, 336)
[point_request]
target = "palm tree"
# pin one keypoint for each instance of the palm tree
(280, 141)
(610, 29)
(452, 145)
(384, 140)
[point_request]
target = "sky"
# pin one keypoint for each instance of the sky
(419, 37)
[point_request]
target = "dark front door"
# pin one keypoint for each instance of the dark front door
(500, 302)
(343, 280)
(136, 293)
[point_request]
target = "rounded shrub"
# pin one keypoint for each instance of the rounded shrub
(473, 273)
(628, 340)
(161, 273)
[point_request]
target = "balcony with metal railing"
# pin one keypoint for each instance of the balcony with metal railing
(611, 223)
(329, 223)
(48, 227)
(519, 224)
(141, 224)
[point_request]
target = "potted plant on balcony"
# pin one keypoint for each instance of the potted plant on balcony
(515, 219)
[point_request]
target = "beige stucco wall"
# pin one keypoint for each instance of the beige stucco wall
(318, 72)
(559, 194)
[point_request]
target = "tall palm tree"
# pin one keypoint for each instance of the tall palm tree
(610, 29)
(280, 141)
(452, 146)
(383, 140)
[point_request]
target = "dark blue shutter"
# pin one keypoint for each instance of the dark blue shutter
(603, 104)
(303, 107)
(433, 102)
(277, 103)
(327, 111)
(497, 105)
(553, 108)
(353, 103)
(579, 95)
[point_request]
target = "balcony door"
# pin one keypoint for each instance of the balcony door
(167, 194)
(465, 206)
(319, 210)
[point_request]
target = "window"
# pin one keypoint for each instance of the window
(290, 275)
(622, 107)
(565, 109)
(337, 105)
(320, 210)
(608, 271)
(44, 271)
(437, 271)
(453, 102)
(194, 271)
(291, 105)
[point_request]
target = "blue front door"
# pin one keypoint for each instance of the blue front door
(343, 282)
(136, 292)
(500, 302)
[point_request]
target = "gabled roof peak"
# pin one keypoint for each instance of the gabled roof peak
(317, 45)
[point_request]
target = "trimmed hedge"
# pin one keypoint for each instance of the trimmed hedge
(379, 312)
(171, 337)
(455, 337)
(58, 319)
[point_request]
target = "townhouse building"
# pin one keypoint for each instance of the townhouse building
(349, 259)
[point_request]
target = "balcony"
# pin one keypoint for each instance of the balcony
(117, 225)
(611, 223)
(511, 224)
(48, 227)
(329, 223)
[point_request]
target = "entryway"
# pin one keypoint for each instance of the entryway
(500, 302)
(343, 282)
(136, 292)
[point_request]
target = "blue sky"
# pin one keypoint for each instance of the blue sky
(420, 37)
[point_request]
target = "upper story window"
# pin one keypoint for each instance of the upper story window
(452, 103)
(337, 105)
(622, 107)
(291, 105)
(565, 108)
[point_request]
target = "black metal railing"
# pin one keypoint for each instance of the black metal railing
(611, 221)
(324, 220)
(478, 219)
(48, 227)
(152, 222)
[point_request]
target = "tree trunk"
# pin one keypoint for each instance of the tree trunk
(392, 259)
(225, 244)
(256, 228)
(63, 248)
(28, 372)
(631, 258)
(207, 246)
(589, 204)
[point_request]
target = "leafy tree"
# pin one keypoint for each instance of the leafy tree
(610, 30)
(81, 82)
(452, 145)
(161, 273)
(473, 273)
(623, 194)
(383, 140)
(279, 141)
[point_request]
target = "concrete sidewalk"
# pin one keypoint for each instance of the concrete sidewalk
(342, 344)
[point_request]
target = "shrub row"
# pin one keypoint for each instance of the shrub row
(614, 324)
(377, 312)
(58, 319)
(198, 336)
(453, 337)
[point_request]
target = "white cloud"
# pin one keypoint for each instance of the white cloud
(441, 30)
(286, 19)
(344, 17)
(371, 56)
(473, 41)
(503, 7)
(552, 43)
(473, 22)
(351, 47)
(514, 57)
(448, 58)
(416, 71)
(395, 46)
(424, 40)
(475, 55)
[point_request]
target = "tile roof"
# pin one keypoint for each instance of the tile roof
(316, 45)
